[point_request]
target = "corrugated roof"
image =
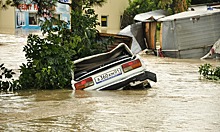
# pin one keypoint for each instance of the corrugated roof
(189, 14)
(150, 16)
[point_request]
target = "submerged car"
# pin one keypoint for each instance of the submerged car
(116, 69)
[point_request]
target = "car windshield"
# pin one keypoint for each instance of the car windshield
(97, 60)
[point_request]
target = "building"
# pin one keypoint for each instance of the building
(7, 17)
(109, 15)
(189, 34)
(25, 16)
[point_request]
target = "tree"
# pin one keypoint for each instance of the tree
(50, 59)
(174, 6)
(77, 4)
(136, 7)
(46, 6)
(141, 6)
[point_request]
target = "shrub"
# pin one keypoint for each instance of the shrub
(50, 59)
(209, 73)
(85, 27)
(6, 81)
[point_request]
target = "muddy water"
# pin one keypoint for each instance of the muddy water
(180, 101)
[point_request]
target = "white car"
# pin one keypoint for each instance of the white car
(113, 70)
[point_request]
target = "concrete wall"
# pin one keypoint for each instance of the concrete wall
(114, 10)
(7, 17)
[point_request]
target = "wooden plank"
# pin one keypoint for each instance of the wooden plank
(117, 40)
(161, 33)
(153, 35)
(147, 33)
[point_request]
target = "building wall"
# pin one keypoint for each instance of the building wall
(7, 17)
(26, 18)
(113, 9)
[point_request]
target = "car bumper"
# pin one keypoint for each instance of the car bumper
(136, 77)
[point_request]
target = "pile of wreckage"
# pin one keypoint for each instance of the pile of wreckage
(191, 34)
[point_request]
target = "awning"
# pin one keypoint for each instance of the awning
(189, 14)
(136, 32)
(150, 16)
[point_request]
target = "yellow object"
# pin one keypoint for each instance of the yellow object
(104, 19)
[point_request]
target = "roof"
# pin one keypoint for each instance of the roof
(150, 16)
(189, 14)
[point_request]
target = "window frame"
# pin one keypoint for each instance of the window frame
(106, 22)
(21, 16)
(37, 21)
(58, 14)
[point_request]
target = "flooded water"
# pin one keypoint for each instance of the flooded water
(180, 101)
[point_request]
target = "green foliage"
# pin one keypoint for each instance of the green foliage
(49, 59)
(136, 7)
(6, 81)
(45, 6)
(212, 78)
(217, 72)
(158, 25)
(140, 6)
(209, 73)
(85, 27)
(204, 69)
(169, 12)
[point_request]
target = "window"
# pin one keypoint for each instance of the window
(56, 16)
(121, 20)
(104, 21)
(20, 19)
(33, 19)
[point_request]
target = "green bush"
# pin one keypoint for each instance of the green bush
(209, 73)
(217, 72)
(6, 81)
(50, 59)
(85, 27)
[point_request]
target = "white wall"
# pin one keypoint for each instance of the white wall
(113, 9)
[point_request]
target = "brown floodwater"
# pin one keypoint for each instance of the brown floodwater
(181, 100)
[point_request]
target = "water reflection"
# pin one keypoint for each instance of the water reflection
(180, 101)
(87, 94)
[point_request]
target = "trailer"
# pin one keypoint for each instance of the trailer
(190, 34)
